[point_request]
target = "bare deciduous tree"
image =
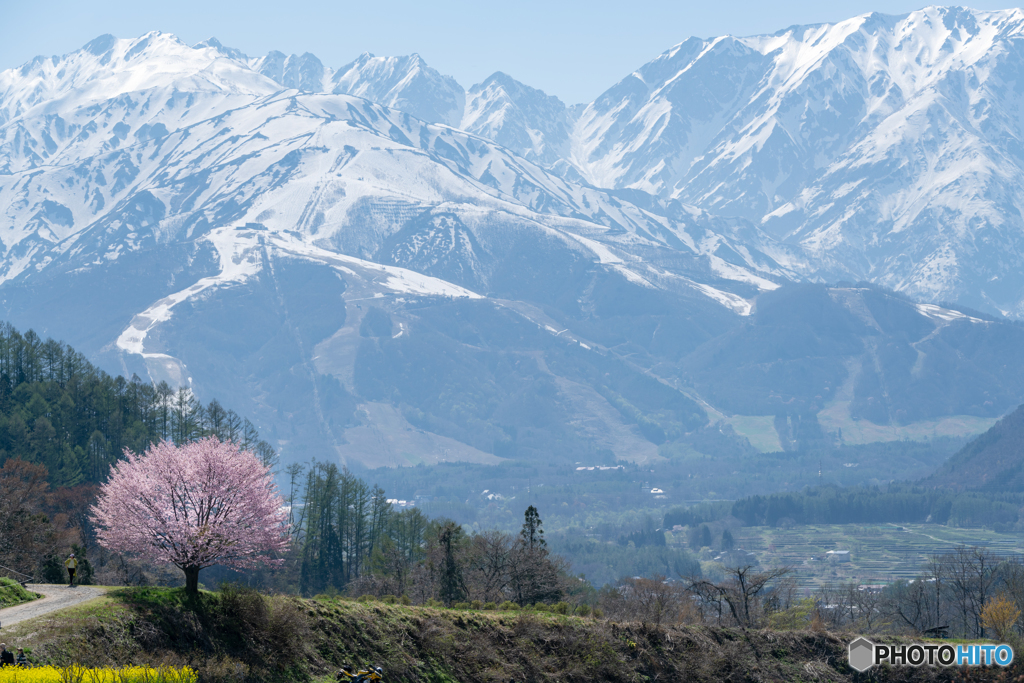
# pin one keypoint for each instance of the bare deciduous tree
(970, 575)
(490, 558)
(652, 601)
(743, 592)
(27, 532)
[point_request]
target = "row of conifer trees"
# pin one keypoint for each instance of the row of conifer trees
(57, 409)
(349, 538)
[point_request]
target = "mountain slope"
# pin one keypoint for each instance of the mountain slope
(991, 462)
(305, 72)
(370, 285)
(836, 359)
(224, 240)
(887, 147)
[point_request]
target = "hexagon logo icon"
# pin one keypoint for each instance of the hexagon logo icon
(862, 654)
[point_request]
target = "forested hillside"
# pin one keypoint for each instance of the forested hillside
(993, 462)
(893, 504)
(60, 411)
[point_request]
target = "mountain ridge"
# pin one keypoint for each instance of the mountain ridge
(157, 195)
(795, 131)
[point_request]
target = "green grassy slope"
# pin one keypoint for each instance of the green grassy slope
(241, 636)
(12, 593)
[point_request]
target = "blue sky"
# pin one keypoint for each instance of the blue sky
(572, 49)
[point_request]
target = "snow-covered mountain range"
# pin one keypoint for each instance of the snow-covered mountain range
(887, 147)
(153, 194)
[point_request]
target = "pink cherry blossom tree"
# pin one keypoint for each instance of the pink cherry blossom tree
(202, 503)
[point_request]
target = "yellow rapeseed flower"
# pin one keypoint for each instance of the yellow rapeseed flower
(81, 674)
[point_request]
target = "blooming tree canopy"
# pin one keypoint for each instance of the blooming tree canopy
(203, 503)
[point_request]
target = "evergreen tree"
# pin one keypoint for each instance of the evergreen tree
(451, 585)
(533, 533)
(705, 536)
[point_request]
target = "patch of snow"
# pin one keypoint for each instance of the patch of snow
(944, 314)
(733, 302)
(732, 272)
(239, 256)
(391, 277)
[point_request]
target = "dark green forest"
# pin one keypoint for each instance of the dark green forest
(60, 411)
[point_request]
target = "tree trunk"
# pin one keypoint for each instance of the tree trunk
(191, 580)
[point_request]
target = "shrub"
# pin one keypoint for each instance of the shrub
(389, 600)
(508, 606)
(330, 593)
(797, 618)
(51, 570)
(598, 613)
(490, 606)
(406, 600)
(460, 605)
(1000, 614)
(433, 602)
(560, 608)
(477, 604)
(242, 605)
(583, 611)
(367, 598)
(275, 628)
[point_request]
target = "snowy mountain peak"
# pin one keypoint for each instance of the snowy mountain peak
(108, 67)
(231, 52)
(527, 121)
(509, 85)
(882, 148)
(305, 72)
(403, 83)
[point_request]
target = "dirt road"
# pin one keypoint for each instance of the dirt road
(57, 597)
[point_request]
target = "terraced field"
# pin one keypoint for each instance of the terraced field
(878, 553)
